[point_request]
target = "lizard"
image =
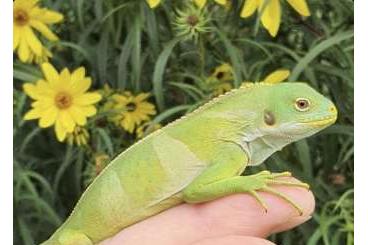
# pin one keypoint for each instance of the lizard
(198, 158)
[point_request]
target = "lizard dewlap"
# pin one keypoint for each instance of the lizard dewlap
(199, 158)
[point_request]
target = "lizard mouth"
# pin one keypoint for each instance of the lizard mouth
(329, 119)
(324, 121)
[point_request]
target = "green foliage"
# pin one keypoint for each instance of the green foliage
(131, 47)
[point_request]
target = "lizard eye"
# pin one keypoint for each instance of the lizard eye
(302, 104)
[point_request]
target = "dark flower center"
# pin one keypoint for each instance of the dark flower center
(220, 75)
(63, 100)
(21, 17)
(131, 106)
(192, 20)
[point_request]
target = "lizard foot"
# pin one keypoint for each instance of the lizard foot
(263, 180)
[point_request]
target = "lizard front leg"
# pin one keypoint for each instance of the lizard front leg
(213, 184)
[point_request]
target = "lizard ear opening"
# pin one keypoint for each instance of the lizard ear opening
(269, 118)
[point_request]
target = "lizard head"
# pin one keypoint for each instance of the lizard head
(288, 112)
(297, 110)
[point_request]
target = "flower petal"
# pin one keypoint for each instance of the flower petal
(41, 27)
(277, 76)
(89, 110)
(48, 118)
(60, 131)
(249, 8)
(300, 6)
(23, 52)
(31, 90)
(78, 115)
(78, 74)
(65, 79)
(66, 121)
(50, 73)
(271, 17)
(46, 16)
(80, 83)
(153, 3)
(87, 99)
(81, 86)
(33, 41)
(33, 114)
(222, 2)
(44, 88)
(16, 36)
(43, 103)
(120, 99)
(200, 3)
(141, 97)
(128, 124)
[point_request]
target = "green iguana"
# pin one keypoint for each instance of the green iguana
(199, 158)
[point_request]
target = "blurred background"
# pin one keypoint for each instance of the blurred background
(150, 62)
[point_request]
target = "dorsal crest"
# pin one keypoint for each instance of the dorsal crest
(250, 85)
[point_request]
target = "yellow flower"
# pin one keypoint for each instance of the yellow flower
(131, 110)
(153, 3)
(274, 77)
(79, 136)
(27, 15)
(61, 100)
(223, 73)
(147, 128)
(220, 80)
(271, 12)
(201, 3)
(222, 88)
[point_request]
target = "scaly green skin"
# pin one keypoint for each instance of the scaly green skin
(198, 158)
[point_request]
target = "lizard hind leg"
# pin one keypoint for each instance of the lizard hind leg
(72, 237)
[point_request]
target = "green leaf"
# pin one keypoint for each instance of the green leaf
(317, 50)
(77, 48)
(113, 11)
(168, 113)
(305, 158)
(25, 233)
(136, 53)
(102, 57)
(80, 13)
(64, 165)
(235, 58)
(191, 90)
(106, 139)
(159, 72)
(123, 60)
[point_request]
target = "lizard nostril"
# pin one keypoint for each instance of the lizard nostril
(332, 109)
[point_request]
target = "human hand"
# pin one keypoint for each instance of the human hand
(232, 220)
